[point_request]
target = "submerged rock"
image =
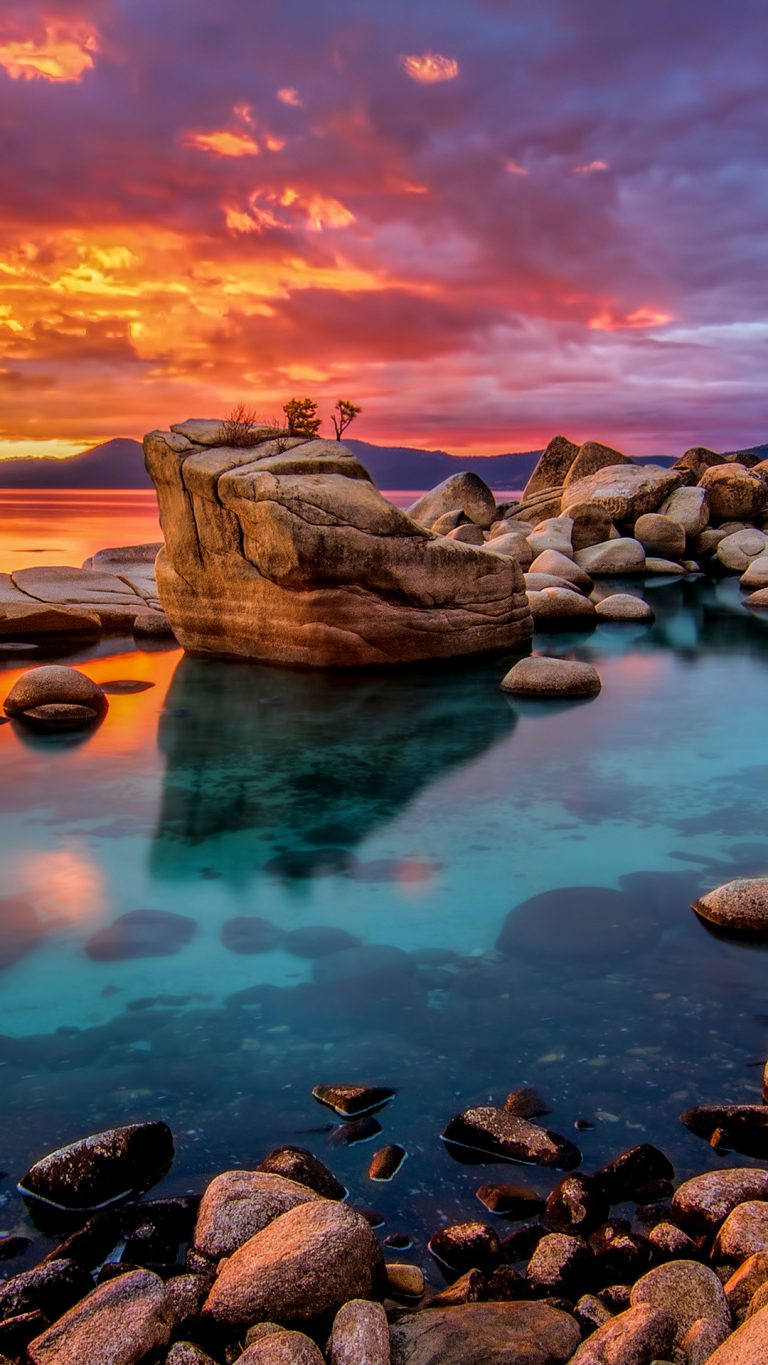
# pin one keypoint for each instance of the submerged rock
(501, 1136)
(740, 907)
(101, 1169)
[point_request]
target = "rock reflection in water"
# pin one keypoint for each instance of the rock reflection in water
(310, 762)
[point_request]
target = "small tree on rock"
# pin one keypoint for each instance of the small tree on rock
(343, 413)
(302, 417)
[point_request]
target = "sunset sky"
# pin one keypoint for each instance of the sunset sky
(484, 220)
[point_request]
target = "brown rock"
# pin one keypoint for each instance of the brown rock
(465, 491)
(734, 492)
(360, 1335)
(552, 467)
(294, 557)
(660, 535)
(491, 1333)
(551, 678)
(120, 1323)
(744, 1232)
(282, 1348)
(687, 1291)
(238, 1204)
(702, 1203)
(308, 1261)
(634, 1337)
(740, 906)
(746, 1346)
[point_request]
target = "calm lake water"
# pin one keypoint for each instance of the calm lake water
(334, 873)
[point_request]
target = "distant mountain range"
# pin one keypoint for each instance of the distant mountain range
(119, 464)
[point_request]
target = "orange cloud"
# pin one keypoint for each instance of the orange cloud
(65, 53)
(430, 68)
(639, 320)
(222, 143)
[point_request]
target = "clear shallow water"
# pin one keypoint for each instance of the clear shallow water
(415, 811)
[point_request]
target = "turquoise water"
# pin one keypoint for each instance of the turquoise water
(405, 818)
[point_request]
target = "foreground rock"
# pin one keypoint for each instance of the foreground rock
(57, 698)
(288, 553)
(120, 1323)
(308, 1261)
(101, 1169)
(488, 1129)
(740, 907)
(360, 1335)
(635, 1337)
(747, 1346)
(552, 678)
(238, 1204)
(494, 1333)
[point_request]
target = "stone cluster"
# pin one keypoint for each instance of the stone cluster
(273, 1265)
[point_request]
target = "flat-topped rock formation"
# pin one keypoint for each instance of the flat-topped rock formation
(286, 552)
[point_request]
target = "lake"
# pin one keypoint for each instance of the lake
(335, 873)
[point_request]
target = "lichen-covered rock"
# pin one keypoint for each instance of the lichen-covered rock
(494, 1333)
(307, 1261)
(686, 1291)
(360, 1335)
(101, 1169)
(293, 556)
(702, 1203)
(238, 1204)
(123, 1321)
(740, 907)
(624, 491)
(735, 493)
(552, 678)
(634, 1337)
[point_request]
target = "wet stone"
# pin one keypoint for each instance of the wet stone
(250, 934)
(141, 933)
(386, 1163)
(466, 1246)
(299, 1164)
(577, 1204)
(510, 1201)
(351, 1101)
(502, 1136)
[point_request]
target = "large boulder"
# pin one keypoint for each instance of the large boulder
(294, 557)
(100, 1169)
(689, 507)
(735, 493)
(125, 1320)
(494, 1333)
(465, 491)
(238, 1204)
(624, 491)
(552, 468)
(306, 1262)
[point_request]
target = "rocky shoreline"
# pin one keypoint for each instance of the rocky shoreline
(613, 1267)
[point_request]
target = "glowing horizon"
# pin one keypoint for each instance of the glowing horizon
(448, 216)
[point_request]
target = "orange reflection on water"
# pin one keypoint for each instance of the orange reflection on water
(44, 526)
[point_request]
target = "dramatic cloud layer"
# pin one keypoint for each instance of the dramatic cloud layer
(484, 221)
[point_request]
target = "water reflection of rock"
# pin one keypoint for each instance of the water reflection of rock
(310, 762)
